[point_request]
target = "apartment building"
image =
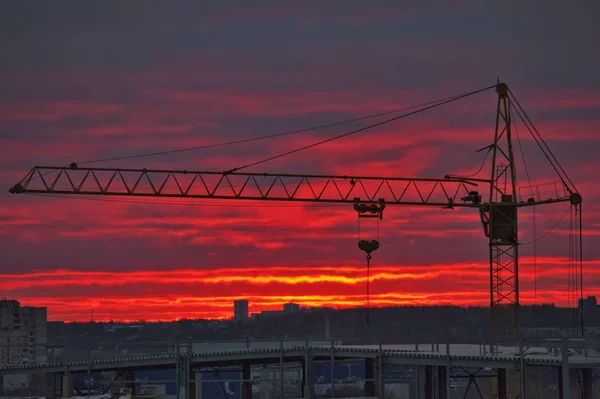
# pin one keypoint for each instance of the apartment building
(23, 333)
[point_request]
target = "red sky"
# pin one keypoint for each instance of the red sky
(95, 81)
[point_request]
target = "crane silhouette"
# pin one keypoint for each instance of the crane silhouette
(497, 198)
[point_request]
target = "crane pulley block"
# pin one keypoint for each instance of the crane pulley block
(369, 210)
(373, 211)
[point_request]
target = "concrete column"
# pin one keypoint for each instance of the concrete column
(332, 368)
(267, 386)
(380, 376)
(129, 378)
(415, 388)
(565, 387)
(428, 388)
(191, 384)
(307, 391)
(369, 375)
(58, 385)
(560, 383)
(502, 384)
(281, 368)
(586, 384)
(183, 378)
(198, 387)
(246, 384)
(442, 382)
(303, 371)
(67, 386)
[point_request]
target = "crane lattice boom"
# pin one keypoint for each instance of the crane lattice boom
(447, 192)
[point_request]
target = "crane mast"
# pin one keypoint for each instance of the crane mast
(500, 219)
(368, 194)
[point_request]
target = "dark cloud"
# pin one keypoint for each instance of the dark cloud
(83, 81)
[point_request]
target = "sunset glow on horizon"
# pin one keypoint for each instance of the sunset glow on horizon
(71, 295)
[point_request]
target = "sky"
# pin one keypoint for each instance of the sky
(85, 81)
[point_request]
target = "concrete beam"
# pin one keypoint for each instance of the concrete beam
(97, 365)
(443, 361)
(297, 354)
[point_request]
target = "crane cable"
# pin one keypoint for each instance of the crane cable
(368, 315)
(315, 144)
(268, 136)
(576, 264)
(369, 257)
(368, 282)
(550, 230)
(581, 268)
(542, 143)
(474, 174)
(193, 204)
(571, 262)
(575, 254)
(264, 137)
(510, 108)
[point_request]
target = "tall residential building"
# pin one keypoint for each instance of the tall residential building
(23, 333)
(240, 309)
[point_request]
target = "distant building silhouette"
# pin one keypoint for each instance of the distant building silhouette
(588, 303)
(291, 307)
(240, 309)
(23, 333)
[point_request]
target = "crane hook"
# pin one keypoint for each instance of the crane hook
(368, 246)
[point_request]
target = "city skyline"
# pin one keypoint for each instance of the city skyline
(110, 84)
(589, 301)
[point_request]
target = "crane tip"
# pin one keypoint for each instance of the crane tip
(501, 89)
(16, 189)
(575, 198)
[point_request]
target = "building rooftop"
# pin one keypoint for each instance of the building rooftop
(9, 303)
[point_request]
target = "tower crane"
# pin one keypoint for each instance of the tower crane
(497, 198)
